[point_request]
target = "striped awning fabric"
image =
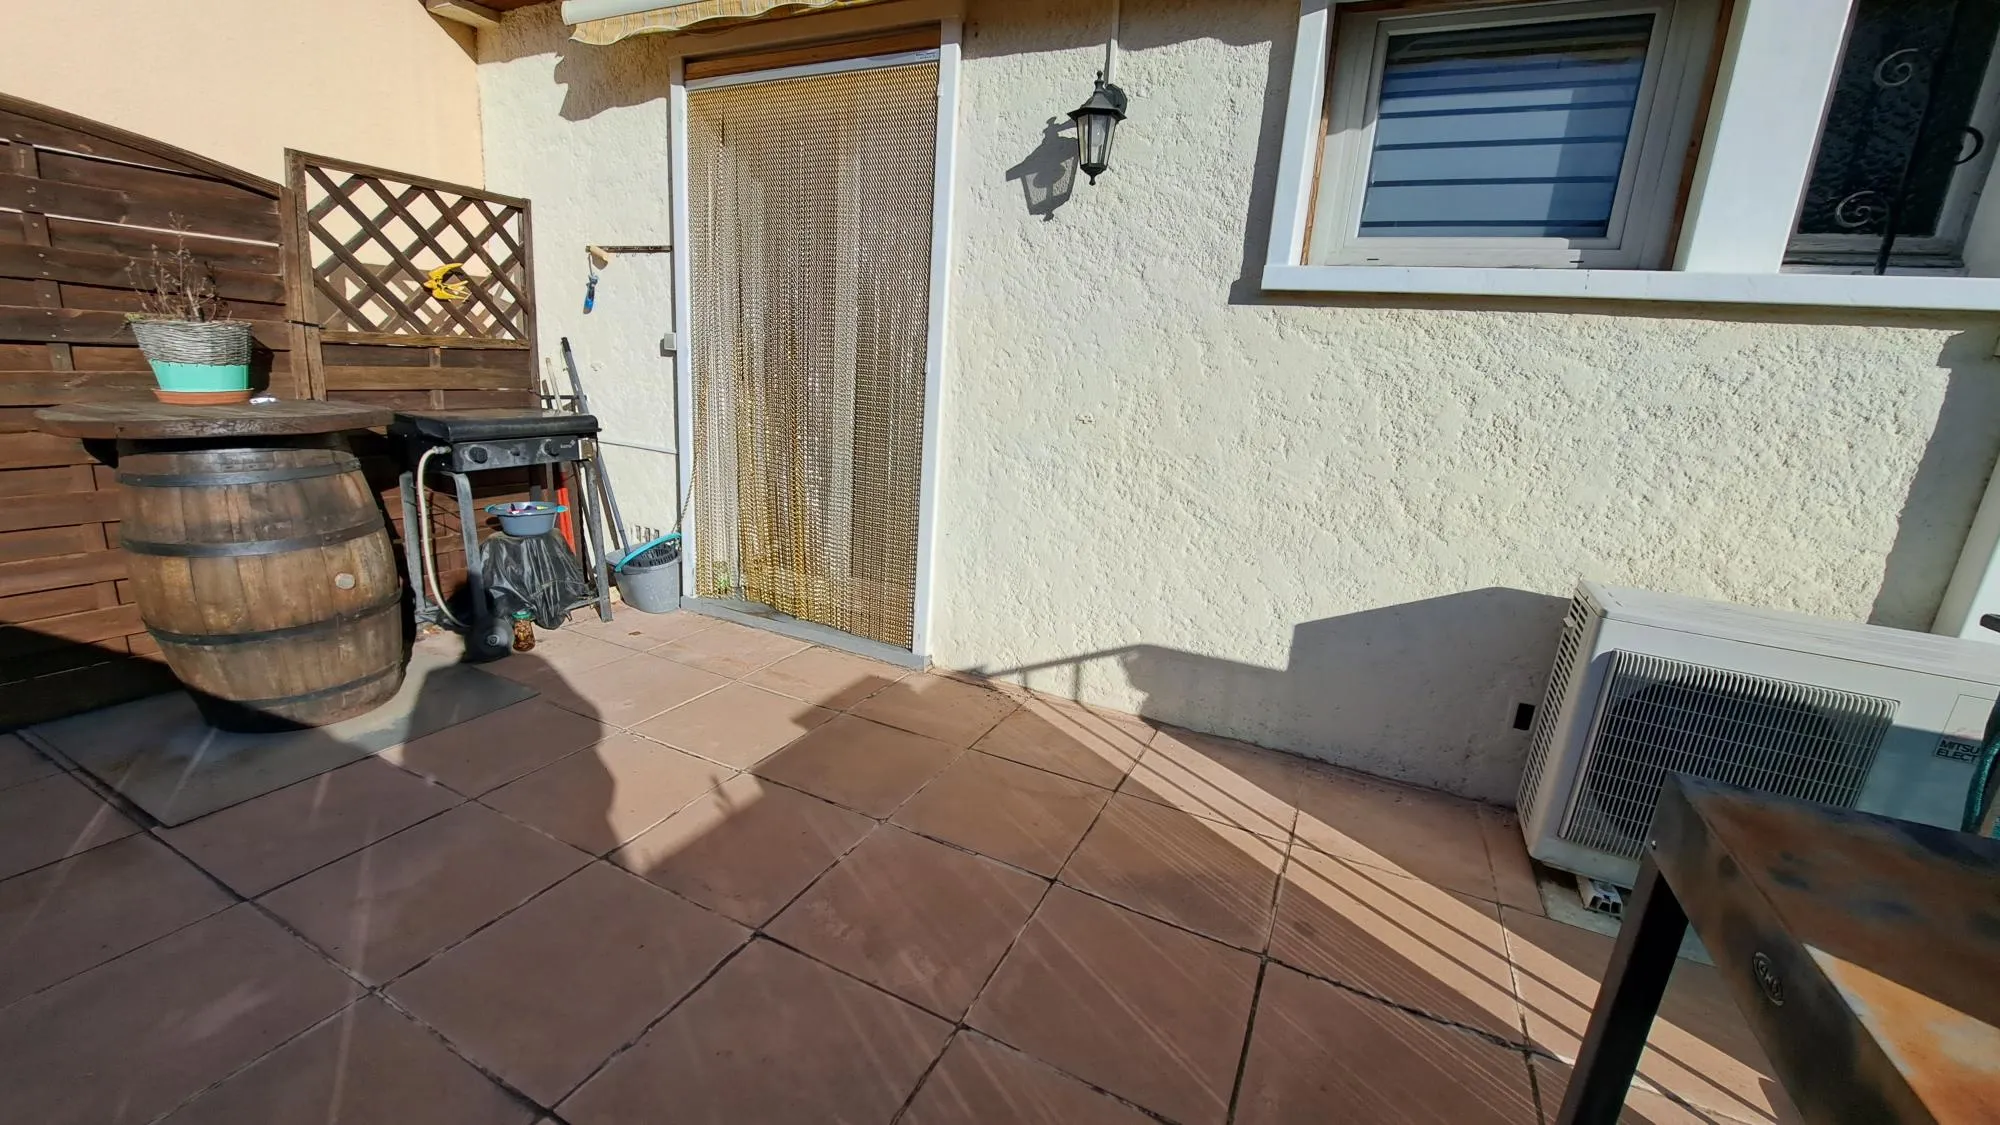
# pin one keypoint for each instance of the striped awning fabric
(690, 15)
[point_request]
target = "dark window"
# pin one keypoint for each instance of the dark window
(1907, 136)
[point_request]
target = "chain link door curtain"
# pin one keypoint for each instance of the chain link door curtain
(811, 202)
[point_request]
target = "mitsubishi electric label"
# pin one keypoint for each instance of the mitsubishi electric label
(1965, 730)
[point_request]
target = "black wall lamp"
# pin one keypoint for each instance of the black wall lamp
(1097, 126)
(1097, 119)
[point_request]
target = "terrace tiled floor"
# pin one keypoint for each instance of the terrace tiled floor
(714, 875)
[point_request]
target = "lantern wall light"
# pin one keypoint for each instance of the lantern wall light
(1097, 126)
(1097, 119)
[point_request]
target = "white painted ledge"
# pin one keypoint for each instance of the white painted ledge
(1949, 294)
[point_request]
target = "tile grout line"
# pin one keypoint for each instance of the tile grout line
(394, 1005)
(756, 932)
(260, 1057)
(1264, 959)
(1249, 1038)
(1077, 1078)
(622, 1049)
(237, 897)
(910, 1098)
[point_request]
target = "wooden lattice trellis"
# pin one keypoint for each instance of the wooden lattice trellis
(369, 239)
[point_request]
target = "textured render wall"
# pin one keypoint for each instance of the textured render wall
(378, 81)
(582, 131)
(1341, 529)
(1347, 529)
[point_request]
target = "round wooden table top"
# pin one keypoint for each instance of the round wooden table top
(159, 421)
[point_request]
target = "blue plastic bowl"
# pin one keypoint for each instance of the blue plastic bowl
(525, 518)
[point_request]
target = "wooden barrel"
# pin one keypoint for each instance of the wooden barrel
(265, 573)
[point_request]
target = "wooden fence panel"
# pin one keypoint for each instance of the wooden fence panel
(367, 240)
(85, 206)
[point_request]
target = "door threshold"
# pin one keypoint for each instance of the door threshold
(759, 616)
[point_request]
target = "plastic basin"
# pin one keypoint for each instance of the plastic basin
(527, 517)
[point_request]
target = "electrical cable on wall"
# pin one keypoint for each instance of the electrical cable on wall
(1111, 44)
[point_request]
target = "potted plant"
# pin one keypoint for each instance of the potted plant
(198, 354)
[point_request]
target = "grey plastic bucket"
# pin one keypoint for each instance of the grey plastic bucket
(649, 576)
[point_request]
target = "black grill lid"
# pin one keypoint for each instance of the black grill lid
(452, 427)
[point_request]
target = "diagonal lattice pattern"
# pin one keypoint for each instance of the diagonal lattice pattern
(373, 240)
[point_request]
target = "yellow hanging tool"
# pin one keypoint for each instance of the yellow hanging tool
(445, 287)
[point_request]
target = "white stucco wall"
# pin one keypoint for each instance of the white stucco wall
(1343, 529)
(377, 81)
(582, 132)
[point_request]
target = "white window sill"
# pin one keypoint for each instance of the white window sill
(1952, 294)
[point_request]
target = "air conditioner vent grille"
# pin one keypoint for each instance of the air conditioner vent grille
(1661, 717)
(1582, 609)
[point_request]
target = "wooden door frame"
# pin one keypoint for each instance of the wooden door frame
(947, 57)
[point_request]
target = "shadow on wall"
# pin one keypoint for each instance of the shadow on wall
(1048, 174)
(1946, 490)
(593, 79)
(1424, 691)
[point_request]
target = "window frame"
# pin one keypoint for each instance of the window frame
(1773, 73)
(1666, 104)
(1945, 250)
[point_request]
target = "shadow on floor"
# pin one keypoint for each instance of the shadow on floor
(860, 896)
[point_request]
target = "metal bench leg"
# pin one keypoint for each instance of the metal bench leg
(480, 621)
(1641, 963)
(590, 547)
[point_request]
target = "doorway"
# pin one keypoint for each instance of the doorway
(811, 200)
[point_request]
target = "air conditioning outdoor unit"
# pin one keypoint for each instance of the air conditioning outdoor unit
(1648, 685)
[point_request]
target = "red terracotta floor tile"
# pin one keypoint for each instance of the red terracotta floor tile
(746, 848)
(597, 799)
(938, 707)
(638, 630)
(132, 1038)
(369, 1065)
(1017, 814)
(1066, 738)
(272, 839)
(1700, 1049)
(1391, 936)
(46, 820)
(546, 994)
(1320, 1053)
(1416, 832)
(389, 906)
(495, 748)
(863, 765)
(1213, 879)
(1153, 1014)
(728, 649)
(925, 921)
(558, 655)
(771, 1038)
(70, 916)
(627, 692)
(980, 1082)
(827, 677)
(1218, 779)
(737, 725)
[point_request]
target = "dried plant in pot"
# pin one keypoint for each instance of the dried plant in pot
(199, 355)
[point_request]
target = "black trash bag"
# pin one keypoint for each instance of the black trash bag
(538, 573)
